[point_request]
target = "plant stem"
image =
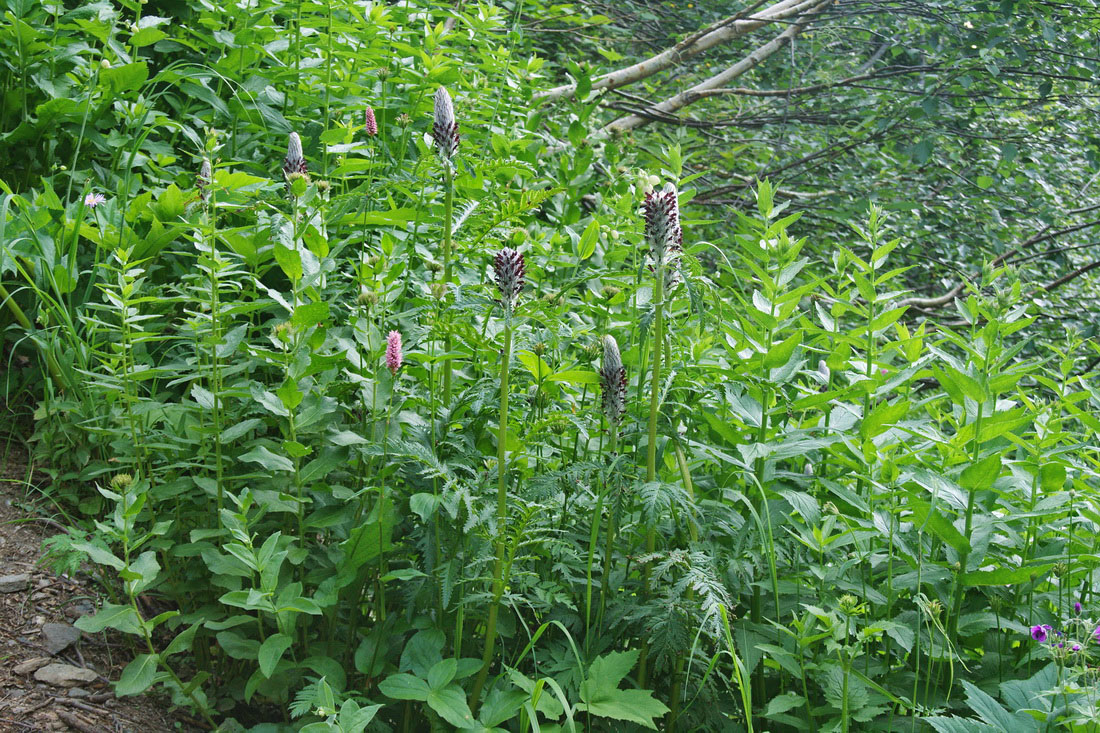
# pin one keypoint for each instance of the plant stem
(502, 517)
(651, 447)
(448, 223)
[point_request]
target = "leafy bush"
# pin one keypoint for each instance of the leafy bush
(386, 434)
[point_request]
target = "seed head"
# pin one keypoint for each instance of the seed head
(613, 381)
(663, 234)
(370, 123)
(445, 129)
(508, 272)
(294, 162)
(393, 351)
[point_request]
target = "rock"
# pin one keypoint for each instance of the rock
(79, 692)
(14, 583)
(59, 636)
(78, 609)
(65, 675)
(31, 665)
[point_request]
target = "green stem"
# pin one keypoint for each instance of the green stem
(448, 223)
(502, 517)
(651, 447)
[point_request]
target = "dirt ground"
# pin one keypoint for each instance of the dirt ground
(43, 688)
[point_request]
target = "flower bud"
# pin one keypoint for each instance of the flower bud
(294, 162)
(202, 181)
(508, 272)
(445, 128)
(438, 290)
(613, 381)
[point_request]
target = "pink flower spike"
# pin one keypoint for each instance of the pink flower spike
(93, 200)
(370, 122)
(393, 352)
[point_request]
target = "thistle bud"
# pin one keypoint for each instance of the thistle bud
(508, 272)
(393, 351)
(121, 480)
(202, 181)
(370, 124)
(438, 290)
(445, 129)
(662, 226)
(613, 381)
(294, 162)
(367, 298)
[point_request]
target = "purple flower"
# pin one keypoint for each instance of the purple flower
(1077, 607)
(1039, 632)
(445, 128)
(1075, 648)
(393, 351)
(1097, 634)
(508, 271)
(93, 200)
(662, 226)
(370, 123)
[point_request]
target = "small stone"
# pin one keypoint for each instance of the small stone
(65, 675)
(59, 636)
(14, 583)
(79, 692)
(31, 665)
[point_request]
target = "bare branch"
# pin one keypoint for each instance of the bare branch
(721, 79)
(714, 35)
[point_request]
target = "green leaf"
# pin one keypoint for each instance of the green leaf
(451, 705)
(575, 376)
(1005, 576)
(271, 651)
(780, 354)
(928, 518)
(147, 36)
(138, 676)
(587, 244)
(125, 77)
(405, 687)
(882, 418)
(268, 460)
(442, 672)
(111, 616)
(981, 475)
(601, 695)
(289, 260)
(635, 706)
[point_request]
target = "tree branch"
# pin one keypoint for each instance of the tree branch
(717, 33)
(719, 80)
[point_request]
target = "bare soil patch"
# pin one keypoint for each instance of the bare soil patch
(53, 678)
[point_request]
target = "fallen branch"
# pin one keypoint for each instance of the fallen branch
(716, 34)
(719, 80)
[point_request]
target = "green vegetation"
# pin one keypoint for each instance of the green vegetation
(507, 367)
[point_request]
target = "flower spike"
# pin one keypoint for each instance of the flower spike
(294, 162)
(393, 351)
(508, 272)
(445, 128)
(663, 234)
(370, 123)
(613, 381)
(202, 181)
